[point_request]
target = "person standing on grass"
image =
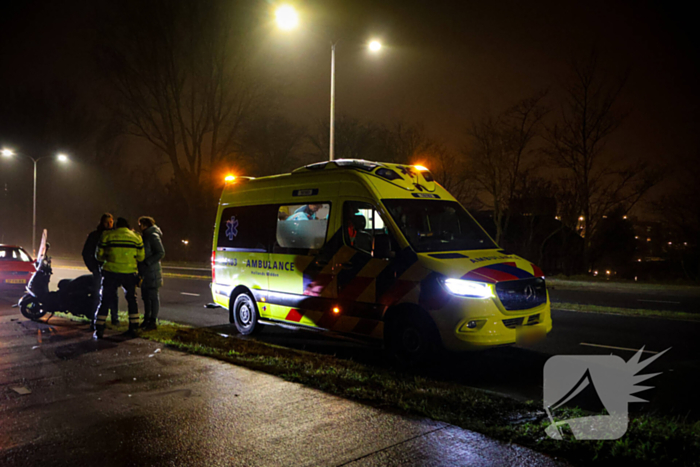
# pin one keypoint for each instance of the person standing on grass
(119, 251)
(151, 271)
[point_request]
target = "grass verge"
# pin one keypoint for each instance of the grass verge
(665, 314)
(650, 440)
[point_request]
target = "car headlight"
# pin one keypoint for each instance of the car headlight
(469, 288)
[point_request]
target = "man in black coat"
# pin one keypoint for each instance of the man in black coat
(151, 271)
(106, 223)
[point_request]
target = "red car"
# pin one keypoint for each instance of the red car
(16, 267)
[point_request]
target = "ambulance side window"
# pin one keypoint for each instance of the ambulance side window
(364, 230)
(301, 227)
(247, 228)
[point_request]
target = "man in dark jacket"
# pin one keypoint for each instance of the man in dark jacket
(150, 271)
(89, 249)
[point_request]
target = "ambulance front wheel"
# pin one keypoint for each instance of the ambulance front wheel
(411, 340)
(245, 314)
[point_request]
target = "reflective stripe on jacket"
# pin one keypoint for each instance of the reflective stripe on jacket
(120, 250)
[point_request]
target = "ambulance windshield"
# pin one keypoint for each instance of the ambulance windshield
(431, 225)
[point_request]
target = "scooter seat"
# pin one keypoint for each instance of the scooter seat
(82, 284)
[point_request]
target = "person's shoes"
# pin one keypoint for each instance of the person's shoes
(145, 323)
(99, 332)
(115, 322)
(150, 326)
(132, 331)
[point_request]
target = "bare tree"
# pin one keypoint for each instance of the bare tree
(354, 139)
(577, 144)
(271, 144)
(404, 143)
(183, 85)
(499, 154)
(680, 212)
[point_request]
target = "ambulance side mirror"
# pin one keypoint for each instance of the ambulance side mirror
(382, 247)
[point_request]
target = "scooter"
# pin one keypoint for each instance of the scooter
(76, 296)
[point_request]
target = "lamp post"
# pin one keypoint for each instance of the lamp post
(287, 18)
(61, 158)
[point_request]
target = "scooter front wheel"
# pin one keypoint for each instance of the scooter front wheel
(31, 308)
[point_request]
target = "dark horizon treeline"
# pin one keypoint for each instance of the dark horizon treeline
(179, 104)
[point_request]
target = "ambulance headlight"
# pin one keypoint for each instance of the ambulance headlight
(468, 288)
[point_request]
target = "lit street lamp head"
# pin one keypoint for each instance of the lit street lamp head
(286, 17)
(7, 152)
(62, 158)
(375, 46)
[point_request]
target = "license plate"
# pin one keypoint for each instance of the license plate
(15, 281)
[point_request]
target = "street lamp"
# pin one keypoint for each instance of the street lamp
(287, 18)
(61, 158)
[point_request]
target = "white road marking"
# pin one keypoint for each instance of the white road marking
(617, 348)
(658, 301)
(190, 294)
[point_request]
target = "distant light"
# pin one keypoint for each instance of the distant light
(580, 218)
(636, 237)
(186, 242)
(639, 260)
(375, 46)
(607, 272)
(624, 217)
(670, 243)
(8, 152)
(648, 239)
(62, 158)
(287, 17)
(229, 178)
(421, 168)
(336, 310)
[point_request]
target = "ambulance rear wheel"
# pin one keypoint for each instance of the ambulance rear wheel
(245, 314)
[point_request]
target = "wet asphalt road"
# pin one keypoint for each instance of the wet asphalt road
(68, 400)
(515, 371)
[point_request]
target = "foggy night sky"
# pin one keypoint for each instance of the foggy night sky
(443, 64)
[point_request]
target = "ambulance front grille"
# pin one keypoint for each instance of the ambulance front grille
(522, 294)
(512, 322)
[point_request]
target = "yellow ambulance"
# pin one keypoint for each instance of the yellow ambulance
(372, 250)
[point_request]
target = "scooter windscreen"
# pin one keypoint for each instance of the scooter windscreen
(42, 247)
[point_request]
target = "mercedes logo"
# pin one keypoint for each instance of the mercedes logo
(529, 293)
